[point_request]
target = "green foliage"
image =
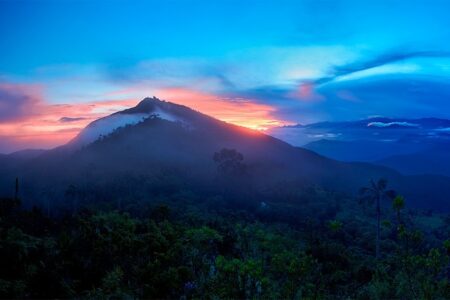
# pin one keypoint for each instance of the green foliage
(398, 203)
(190, 246)
(377, 192)
(386, 223)
(203, 236)
(335, 225)
(446, 245)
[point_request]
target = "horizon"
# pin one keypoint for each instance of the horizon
(296, 62)
(263, 130)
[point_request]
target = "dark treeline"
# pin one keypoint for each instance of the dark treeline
(186, 246)
(168, 239)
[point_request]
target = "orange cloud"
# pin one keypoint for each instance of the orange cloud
(239, 111)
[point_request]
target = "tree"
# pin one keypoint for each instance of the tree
(377, 192)
(335, 225)
(398, 204)
(229, 162)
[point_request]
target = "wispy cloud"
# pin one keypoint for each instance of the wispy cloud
(170, 72)
(69, 119)
(389, 57)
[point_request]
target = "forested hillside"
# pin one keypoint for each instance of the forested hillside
(301, 243)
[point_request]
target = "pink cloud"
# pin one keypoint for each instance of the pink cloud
(18, 101)
(28, 121)
(306, 92)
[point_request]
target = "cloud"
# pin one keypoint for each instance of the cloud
(29, 121)
(394, 95)
(69, 119)
(170, 72)
(383, 59)
(391, 124)
(240, 110)
(411, 96)
(18, 101)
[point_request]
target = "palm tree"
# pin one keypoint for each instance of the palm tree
(398, 204)
(376, 192)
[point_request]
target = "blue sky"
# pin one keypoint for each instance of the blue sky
(297, 61)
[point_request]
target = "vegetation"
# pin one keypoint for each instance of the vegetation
(376, 192)
(198, 251)
(289, 242)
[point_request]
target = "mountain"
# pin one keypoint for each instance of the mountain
(19, 157)
(148, 108)
(363, 150)
(380, 122)
(379, 129)
(435, 160)
(410, 146)
(159, 145)
(407, 157)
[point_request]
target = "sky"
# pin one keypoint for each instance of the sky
(258, 64)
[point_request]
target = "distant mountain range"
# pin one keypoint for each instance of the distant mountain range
(158, 138)
(411, 146)
(381, 122)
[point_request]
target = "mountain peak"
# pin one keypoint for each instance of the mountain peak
(146, 108)
(146, 105)
(148, 100)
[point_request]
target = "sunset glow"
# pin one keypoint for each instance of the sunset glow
(49, 125)
(239, 111)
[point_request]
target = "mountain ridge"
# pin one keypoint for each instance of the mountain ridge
(428, 122)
